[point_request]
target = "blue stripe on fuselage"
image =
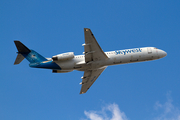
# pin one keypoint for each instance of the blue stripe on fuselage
(45, 64)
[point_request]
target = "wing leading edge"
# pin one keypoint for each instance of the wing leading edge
(92, 50)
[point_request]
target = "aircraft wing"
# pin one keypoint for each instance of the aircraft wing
(89, 78)
(92, 50)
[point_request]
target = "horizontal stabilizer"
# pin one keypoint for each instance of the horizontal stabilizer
(19, 58)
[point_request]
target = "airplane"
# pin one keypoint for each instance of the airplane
(93, 61)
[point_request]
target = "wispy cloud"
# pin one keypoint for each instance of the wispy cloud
(167, 110)
(115, 113)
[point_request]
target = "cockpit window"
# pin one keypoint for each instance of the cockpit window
(155, 48)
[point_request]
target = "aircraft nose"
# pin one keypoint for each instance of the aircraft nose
(161, 53)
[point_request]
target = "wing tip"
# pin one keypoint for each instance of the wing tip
(81, 92)
(86, 29)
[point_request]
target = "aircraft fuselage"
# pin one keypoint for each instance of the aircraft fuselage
(114, 58)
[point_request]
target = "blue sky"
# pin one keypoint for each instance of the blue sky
(139, 91)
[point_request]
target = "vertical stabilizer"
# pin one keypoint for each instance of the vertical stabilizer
(24, 52)
(21, 47)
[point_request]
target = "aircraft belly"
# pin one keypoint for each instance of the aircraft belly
(66, 65)
(117, 60)
(134, 58)
(126, 58)
(137, 57)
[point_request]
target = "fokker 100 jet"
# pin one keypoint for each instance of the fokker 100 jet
(93, 62)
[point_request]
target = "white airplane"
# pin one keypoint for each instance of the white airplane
(93, 62)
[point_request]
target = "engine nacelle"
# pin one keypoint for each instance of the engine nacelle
(61, 71)
(63, 56)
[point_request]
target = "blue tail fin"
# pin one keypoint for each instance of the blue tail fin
(31, 55)
(34, 57)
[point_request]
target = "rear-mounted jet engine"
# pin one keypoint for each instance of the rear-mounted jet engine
(64, 56)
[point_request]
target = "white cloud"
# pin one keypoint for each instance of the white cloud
(168, 110)
(116, 114)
